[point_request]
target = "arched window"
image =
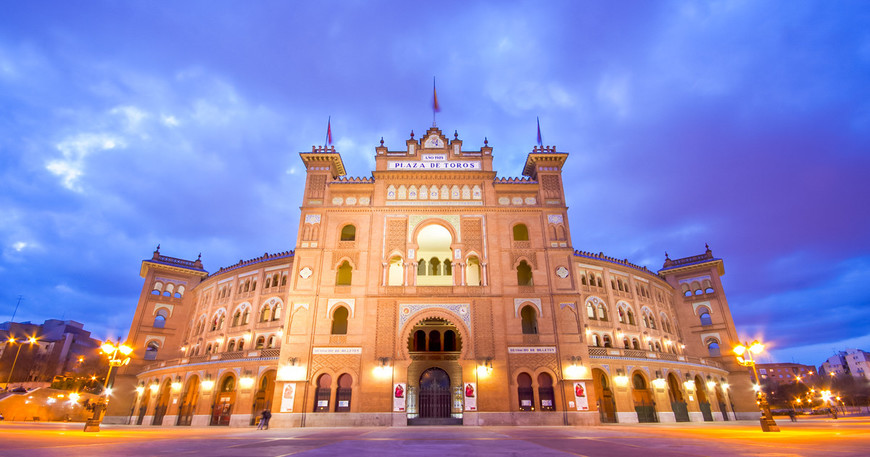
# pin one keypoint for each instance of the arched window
(265, 313)
(472, 271)
(160, 318)
(323, 393)
(434, 267)
(348, 233)
(600, 282)
(658, 347)
(270, 343)
(521, 232)
(525, 392)
(596, 340)
(449, 341)
(606, 341)
(276, 312)
(339, 321)
(241, 345)
(395, 272)
(545, 392)
(626, 343)
(524, 274)
(344, 274)
(245, 316)
(530, 320)
(231, 346)
(602, 312)
(261, 342)
(704, 315)
(343, 393)
(229, 384)
(620, 315)
(237, 318)
(635, 344)
(713, 348)
(630, 316)
(447, 267)
(583, 280)
(419, 340)
(590, 310)
(422, 268)
(151, 350)
(434, 341)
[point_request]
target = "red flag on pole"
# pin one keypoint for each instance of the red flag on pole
(540, 141)
(329, 131)
(435, 107)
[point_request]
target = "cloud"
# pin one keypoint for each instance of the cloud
(19, 246)
(614, 91)
(75, 150)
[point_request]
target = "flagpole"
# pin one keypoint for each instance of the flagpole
(328, 127)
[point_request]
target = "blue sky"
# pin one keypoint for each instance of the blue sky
(742, 124)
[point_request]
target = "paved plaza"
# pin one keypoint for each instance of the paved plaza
(808, 437)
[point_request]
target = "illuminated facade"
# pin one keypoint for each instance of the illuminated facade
(433, 292)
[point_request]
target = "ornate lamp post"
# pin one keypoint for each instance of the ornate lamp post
(31, 340)
(118, 356)
(744, 357)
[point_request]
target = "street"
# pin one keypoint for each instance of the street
(807, 437)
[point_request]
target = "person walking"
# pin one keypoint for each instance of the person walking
(264, 420)
(792, 415)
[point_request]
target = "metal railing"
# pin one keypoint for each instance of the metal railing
(651, 355)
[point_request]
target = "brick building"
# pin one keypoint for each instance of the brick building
(433, 292)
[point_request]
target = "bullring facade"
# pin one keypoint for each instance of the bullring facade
(432, 292)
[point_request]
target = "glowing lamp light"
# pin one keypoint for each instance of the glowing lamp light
(31, 340)
(711, 385)
(176, 386)
(107, 348)
(246, 382)
(485, 368)
(739, 349)
(219, 340)
(154, 387)
(726, 386)
(50, 401)
(126, 350)
(575, 371)
(207, 384)
(756, 387)
(621, 380)
(659, 383)
(756, 347)
(74, 397)
(689, 385)
(291, 372)
(140, 389)
(280, 332)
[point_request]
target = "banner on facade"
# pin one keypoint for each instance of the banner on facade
(470, 396)
(399, 397)
(287, 397)
(580, 398)
(532, 350)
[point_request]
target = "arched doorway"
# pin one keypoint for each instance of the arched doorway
(545, 392)
(643, 403)
(323, 393)
(606, 403)
(224, 400)
(678, 404)
(703, 400)
(343, 393)
(263, 396)
(143, 405)
(434, 397)
(434, 251)
(162, 404)
(188, 401)
(525, 392)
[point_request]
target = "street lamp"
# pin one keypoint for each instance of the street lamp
(118, 356)
(31, 340)
(744, 357)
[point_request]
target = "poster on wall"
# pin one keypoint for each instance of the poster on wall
(470, 396)
(287, 398)
(399, 397)
(580, 396)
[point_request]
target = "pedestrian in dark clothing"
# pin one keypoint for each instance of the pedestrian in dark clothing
(792, 415)
(264, 420)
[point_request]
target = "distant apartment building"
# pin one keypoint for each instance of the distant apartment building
(853, 362)
(774, 374)
(59, 347)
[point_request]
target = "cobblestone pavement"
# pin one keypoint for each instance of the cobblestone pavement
(808, 437)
